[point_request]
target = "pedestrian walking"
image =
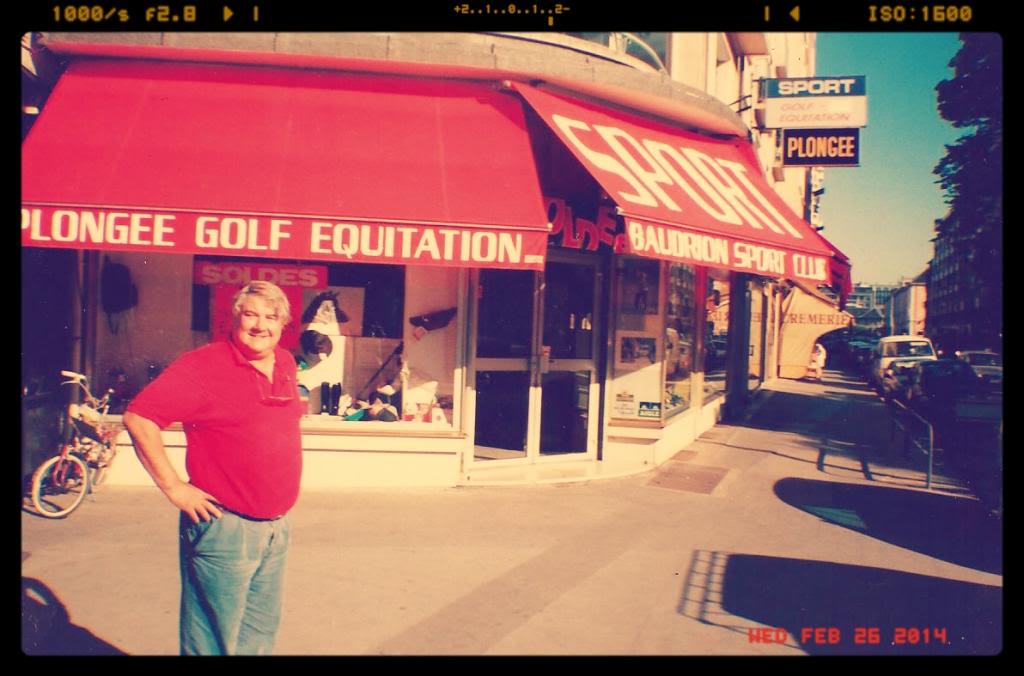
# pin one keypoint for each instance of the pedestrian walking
(238, 402)
(817, 365)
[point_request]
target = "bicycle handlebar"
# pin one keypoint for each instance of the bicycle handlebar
(82, 381)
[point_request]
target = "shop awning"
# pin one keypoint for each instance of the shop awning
(188, 158)
(689, 198)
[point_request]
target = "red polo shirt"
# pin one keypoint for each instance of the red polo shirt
(244, 444)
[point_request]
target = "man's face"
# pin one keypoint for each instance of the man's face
(257, 328)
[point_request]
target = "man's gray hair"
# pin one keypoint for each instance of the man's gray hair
(269, 292)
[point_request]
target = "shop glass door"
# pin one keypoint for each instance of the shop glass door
(570, 397)
(505, 342)
(537, 391)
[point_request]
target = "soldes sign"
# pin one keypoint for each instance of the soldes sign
(236, 274)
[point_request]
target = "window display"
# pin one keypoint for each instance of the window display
(679, 336)
(638, 345)
(321, 354)
(639, 285)
(360, 357)
(770, 358)
(716, 333)
(635, 350)
(755, 351)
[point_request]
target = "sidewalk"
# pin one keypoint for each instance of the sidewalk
(795, 520)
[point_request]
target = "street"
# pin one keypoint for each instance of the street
(797, 531)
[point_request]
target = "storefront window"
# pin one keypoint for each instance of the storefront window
(398, 339)
(372, 342)
(755, 351)
(770, 361)
(639, 344)
(679, 337)
(716, 333)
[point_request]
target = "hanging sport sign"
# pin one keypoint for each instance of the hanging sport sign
(816, 103)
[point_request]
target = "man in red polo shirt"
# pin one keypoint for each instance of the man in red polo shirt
(238, 402)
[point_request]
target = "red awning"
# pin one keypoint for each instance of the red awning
(689, 198)
(212, 159)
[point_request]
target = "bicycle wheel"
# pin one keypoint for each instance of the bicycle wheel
(96, 476)
(59, 486)
(97, 473)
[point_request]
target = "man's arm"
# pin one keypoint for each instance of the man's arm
(149, 446)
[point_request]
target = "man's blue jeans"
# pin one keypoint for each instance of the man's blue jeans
(232, 575)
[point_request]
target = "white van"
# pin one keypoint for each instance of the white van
(902, 348)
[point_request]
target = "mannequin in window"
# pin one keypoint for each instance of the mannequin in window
(324, 349)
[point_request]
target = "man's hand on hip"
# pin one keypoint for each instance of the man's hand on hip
(195, 502)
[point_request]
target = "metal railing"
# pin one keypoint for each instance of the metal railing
(910, 438)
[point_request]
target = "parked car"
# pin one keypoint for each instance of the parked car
(859, 352)
(716, 351)
(936, 386)
(903, 348)
(677, 354)
(987, 365)
(896, 380)
(967, 420)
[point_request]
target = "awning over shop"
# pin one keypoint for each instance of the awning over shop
(689, 198)
(806, 316)
(191, 158)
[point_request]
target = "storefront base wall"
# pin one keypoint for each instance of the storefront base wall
(631, 450)
(626, 451)
(680, 432)
(362, 462)
(331, 461)
(128, 471)
(684, 429)
(379, 461)
(344, 469)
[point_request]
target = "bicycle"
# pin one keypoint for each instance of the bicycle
(60, 484)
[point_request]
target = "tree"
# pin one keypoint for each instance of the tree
(971, 174)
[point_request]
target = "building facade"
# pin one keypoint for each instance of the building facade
(536, 241)
(871, 296)
(947, 310)
(908, 311)
(961, 314)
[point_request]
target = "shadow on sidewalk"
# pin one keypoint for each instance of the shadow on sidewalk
(850, 423)
(858, 610)
(845, 415)
(957, 530)
(46, 628)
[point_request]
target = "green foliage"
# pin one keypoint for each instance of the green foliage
(971, 172)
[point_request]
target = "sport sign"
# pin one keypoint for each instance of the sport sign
(684, 197)
(816, 103)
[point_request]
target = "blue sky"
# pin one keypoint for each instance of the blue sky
(882, 213)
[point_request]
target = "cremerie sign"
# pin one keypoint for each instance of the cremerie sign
(821, 147)
(816, 103)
